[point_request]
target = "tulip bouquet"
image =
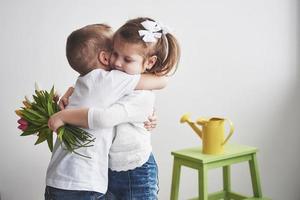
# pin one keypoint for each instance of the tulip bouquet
(34, 121)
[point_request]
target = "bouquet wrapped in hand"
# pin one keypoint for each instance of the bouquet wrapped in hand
(34, 121)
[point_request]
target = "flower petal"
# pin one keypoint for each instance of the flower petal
(22, 127)
(22, 121)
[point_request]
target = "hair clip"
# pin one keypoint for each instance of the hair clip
(151, 32)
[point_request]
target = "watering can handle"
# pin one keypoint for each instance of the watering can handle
(230, 132)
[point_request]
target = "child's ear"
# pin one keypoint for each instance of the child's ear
(151, 62)
(103, 57)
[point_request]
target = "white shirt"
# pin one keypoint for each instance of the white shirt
(131, 146)
(69, 171)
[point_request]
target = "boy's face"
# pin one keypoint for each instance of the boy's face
(128, 57)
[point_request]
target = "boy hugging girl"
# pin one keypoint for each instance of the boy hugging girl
(112, 99)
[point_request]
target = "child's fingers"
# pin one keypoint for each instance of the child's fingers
(153, 121)
(148, 128)
(54, 124)
(61, 106)
(50, 124)
(152, 118)
(153, 125)
(63, 103)
(56, 97)
(149, 125)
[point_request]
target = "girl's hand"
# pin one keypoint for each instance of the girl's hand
(151, 124)
(55, 121)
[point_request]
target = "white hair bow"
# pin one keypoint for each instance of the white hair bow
(151, 32)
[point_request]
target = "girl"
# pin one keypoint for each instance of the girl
(133, 170)
(141, 45)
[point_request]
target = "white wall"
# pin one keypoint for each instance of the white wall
(240, 59)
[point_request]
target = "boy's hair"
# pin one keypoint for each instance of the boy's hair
(83, 46)
(166, 48)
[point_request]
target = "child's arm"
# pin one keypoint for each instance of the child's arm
(99, 118)
(151, 82)
(132, 108)
(77, 117)
(129, 109)
(103, 118)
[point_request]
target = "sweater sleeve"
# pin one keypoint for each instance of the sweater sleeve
(105, 118)
(122, 83)
(136, 107)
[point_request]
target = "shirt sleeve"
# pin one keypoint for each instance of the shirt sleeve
(136, 107)
(123, 83)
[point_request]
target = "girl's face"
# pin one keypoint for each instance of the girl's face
(128, 57)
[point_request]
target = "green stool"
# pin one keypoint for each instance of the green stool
(233, 153)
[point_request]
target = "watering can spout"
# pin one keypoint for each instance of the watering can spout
(186, 118)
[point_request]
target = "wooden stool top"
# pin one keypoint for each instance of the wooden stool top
(230, 151)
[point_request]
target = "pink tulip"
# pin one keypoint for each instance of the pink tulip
(22, 122)
(22, 127)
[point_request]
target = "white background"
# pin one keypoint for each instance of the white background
(240, 59)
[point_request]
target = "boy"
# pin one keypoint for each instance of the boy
(70, 176)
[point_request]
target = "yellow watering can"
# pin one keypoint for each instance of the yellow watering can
(212, 133)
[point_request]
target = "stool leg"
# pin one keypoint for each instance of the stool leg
(202, 182)
(226, 181)
(175, 179)
(255, 176)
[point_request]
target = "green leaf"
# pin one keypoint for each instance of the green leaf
(42, 136)
(35, 114)
(50, 110)
(26, 133)
(32, 129)
(67, 144)
(41, 100)
(51, 93)
(32, 119)
(37, 100)
(46, 95)
(50, 140)
(40, 109)
(60, 132)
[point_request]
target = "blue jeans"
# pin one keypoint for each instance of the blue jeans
(52, 193)
(138, 184)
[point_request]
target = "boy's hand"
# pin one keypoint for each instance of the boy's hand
(55, 121)
(151, 124)
(64, 101)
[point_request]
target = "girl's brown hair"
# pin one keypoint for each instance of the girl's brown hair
(166, 48)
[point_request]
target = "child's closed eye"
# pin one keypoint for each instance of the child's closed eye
(127, 60)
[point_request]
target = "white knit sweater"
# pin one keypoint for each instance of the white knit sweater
(131, 145)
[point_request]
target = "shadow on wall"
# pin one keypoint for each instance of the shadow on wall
(281, 162)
